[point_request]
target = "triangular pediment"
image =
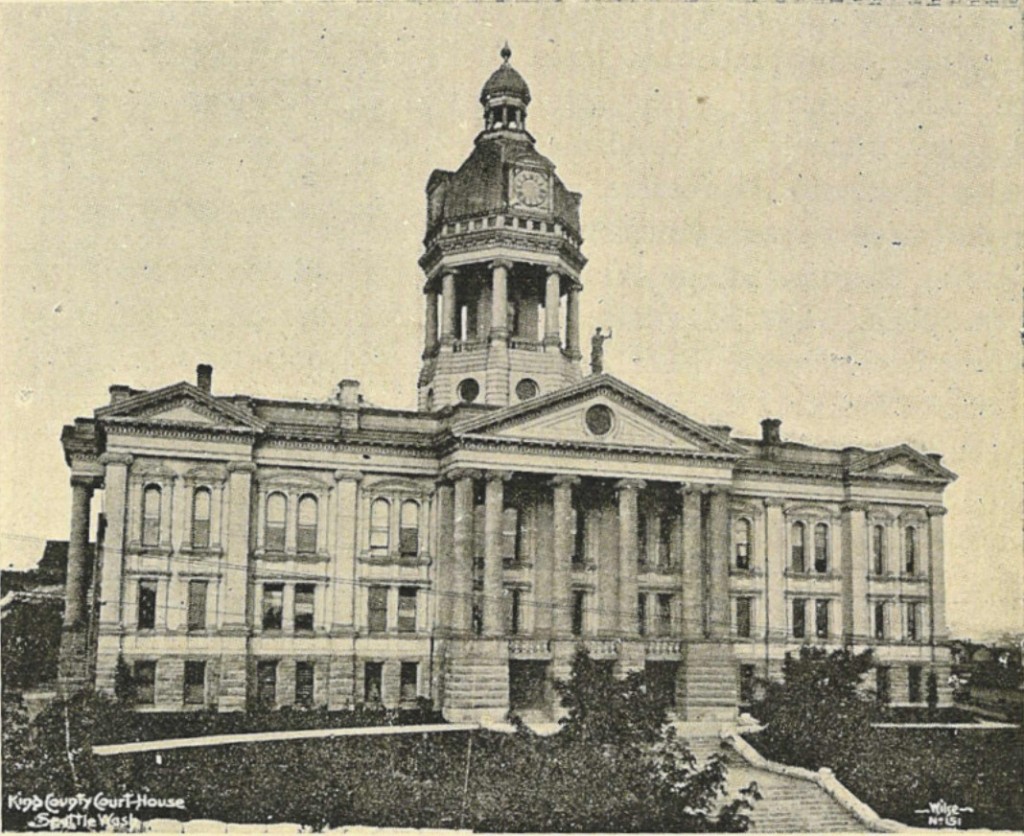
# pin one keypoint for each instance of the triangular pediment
(900, 462)
(602, 411)
(181, 403)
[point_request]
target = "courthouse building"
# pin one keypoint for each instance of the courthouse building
(253, 551)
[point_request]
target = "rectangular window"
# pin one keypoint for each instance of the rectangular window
(197, 605)
(913, 622)
(579, 603)
(879, 621)
(747, 674)
(409, 681)
(743, 612)
(882, 687)
(513, 611)
(799, 618)
(743, 556)
(266, 684)
(878, 549)
(373, 674)
(305, 596)
(512, 539)
(304, 684)
(195, 683)
(144, 677)
(407, 609)
(409, 529)
(273, 605)
(579, 526)
(821, 548)
(201, 519)
(664, 614)
(914, 683)
(641, 614)
(305, 539)
(147, 605)
(377, 609)
(821, 618)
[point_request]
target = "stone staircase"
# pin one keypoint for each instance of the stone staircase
(707, 687)
(789, 803)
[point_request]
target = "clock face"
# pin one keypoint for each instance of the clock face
(530, 188)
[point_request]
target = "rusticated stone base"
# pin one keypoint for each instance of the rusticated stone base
(707, 688)
(476, 681)
(73, 664)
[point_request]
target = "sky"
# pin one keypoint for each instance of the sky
(807, 211)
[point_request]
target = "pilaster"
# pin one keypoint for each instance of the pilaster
(775, 569)
(236, 552)
(719, 617)
(690, 570)
(628, 490)
(462, 563)
(343, 562)
(854, 568)
(494, 505)
(115, 484)
(561, 581)
(937, 574)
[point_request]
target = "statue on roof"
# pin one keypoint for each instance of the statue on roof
(597, 350)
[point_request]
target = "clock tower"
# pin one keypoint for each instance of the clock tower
(502, 263)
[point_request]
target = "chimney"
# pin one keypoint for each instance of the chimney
(935, 457)
(119, 392)
(770, 431)
(204, 377)
(724, 429)
(348, 394)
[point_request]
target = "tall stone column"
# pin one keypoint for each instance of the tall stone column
(462, 563)
(345, 552)
(572, 324)
(854, 567)
(551, 295)
(448, 309)
(628, 491)
(497, 349)
(446, 555)
(561, 585)
(236, 552)
(691, 571)
(937, 574)
(77, 581)
(719, 616)
(775, 569)
(494, 506)
(430, 335)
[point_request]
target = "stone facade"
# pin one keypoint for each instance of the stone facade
(259, 551)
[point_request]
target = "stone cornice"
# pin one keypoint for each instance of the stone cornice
(232, 435)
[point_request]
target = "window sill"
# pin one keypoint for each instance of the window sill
(744, 573)
(653, 569)
(583, 567)
(914, 578)
(148, 551)
(812, 576)
(210, 551)
(394, 560)
(296, 556)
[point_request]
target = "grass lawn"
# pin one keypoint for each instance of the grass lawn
(898, 771)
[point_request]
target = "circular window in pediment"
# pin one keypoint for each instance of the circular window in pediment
(599, 419)
(469, 390)
(526, 389)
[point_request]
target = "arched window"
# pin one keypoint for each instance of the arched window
(201, 518)
(409, 529)
(741, 538)
(910, 550)
(151, 502)
(277, 512)
(878, 549)
(305, 540)
(380, 526)
(797, 546)
(821, 547)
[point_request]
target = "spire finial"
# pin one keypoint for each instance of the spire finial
(506, 52)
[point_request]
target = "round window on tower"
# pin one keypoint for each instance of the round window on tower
(526, 389)
(599, 419)
(469, 390)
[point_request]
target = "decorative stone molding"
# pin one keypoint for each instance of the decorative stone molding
(116, 458)
(854, 506)
(241, 467)
(341, 475)
(774, 502)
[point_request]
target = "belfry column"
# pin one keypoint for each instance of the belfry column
(494, 506)
(497, 349)
(448, 307)
(430, 324)
(551, 295)
(572, 324)
(561, 586)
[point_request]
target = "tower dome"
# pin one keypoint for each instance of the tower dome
(505, 81)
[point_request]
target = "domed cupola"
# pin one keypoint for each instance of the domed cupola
(505, 97)
(502, 262)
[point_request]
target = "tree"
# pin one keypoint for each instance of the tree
(125, 689)
(819, 711)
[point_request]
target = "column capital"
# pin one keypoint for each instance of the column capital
(718, 490)
(116, 458)
(497, 475)
(459, 473)
(774, 502)
(631, 484)
(241, 467)
(500, 262)
(854, 506)
(936, 511)
(342, 475)
(450, 271)
(688, 488)
(551, 270)
(565, 480)
(79, 480)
